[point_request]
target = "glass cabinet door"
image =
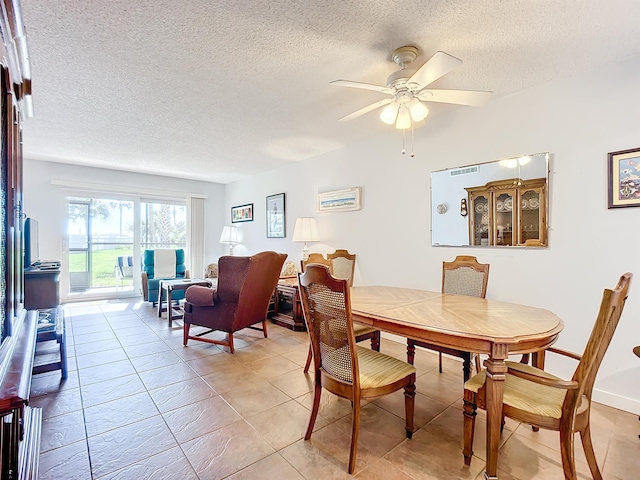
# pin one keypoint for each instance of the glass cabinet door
(480, 220)
(505, 209)
(531, 216)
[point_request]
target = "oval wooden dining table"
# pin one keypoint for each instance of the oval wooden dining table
(472, 324)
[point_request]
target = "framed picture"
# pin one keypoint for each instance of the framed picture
(624, 178)
(242, 213)
(276, 227)
(339, 200)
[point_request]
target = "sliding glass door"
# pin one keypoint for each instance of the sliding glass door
(108, 235)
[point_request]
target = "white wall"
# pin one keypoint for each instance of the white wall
(578, 120)
(47, 203)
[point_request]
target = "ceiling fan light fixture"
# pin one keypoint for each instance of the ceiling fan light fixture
(403, 121)
(389, 113)
(418, 110)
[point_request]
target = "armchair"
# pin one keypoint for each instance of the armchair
(543, 400)
(240, 300)
(151, 281)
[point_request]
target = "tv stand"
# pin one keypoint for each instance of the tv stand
(41, 288)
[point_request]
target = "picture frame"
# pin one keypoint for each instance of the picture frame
(624, 186)
(344, 200)
(276, 221)
(242, 213)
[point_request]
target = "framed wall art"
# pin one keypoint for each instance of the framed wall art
(624, 178)
(242, 213)
(339, 200)
(276, 227)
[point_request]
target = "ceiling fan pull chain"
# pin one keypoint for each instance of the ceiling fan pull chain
(403, 150)
(412, 154)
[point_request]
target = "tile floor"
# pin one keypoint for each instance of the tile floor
(139, 405)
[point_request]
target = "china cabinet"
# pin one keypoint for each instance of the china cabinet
(508, 212)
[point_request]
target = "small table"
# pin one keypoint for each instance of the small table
(51, 327)
(169, 286)
(287, 308)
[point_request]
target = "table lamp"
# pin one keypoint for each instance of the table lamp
(306, 230)
(230, 236)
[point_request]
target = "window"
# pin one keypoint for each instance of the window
(162, 225)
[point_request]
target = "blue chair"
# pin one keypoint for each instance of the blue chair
(151, 284)
(124, 268)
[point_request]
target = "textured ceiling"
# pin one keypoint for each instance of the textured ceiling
(218, 90)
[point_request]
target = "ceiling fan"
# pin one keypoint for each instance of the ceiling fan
(408, 89)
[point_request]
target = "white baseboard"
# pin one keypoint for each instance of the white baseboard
(616, 401)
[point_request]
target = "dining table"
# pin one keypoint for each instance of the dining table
(484, 326)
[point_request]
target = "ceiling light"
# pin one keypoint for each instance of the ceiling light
(389, 113)
(404, 119)
(418, 110)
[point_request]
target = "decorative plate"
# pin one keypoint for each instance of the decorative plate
(508, 204)
(525, 204)
(500, 205)
(533, 203)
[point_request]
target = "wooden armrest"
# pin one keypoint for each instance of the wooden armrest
(549, 382)
(566, 353)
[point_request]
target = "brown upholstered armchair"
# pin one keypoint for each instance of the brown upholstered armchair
(240, 300)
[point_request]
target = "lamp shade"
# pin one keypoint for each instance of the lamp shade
(306, 230)
(230, 235)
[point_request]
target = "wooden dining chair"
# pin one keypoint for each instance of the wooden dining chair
(543, 400)
(463, 276)
(342, 367)
(316, 258)
(342, 264)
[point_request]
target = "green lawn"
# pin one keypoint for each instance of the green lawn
(103, 265)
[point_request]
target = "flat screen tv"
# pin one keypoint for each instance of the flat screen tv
(31, 246)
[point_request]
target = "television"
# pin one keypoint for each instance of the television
(31, 245)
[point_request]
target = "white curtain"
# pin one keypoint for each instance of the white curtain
(195, 236)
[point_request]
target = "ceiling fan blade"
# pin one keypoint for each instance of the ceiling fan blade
(366, 109)
(366, 86)
(472, 98)
(438, 65)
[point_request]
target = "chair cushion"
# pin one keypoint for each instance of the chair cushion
(362, 329)
(378, 369)
(525, 395)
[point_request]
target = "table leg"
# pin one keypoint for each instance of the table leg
(160, 300)
(169, 309)
(496, 373)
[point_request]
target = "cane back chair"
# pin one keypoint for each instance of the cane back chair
(342, 367)
(463, 276)
(342, 264)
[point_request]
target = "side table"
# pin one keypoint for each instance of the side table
(168, 286)
(287, 308)
(51, 327)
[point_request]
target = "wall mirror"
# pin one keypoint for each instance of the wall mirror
(503, 203)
